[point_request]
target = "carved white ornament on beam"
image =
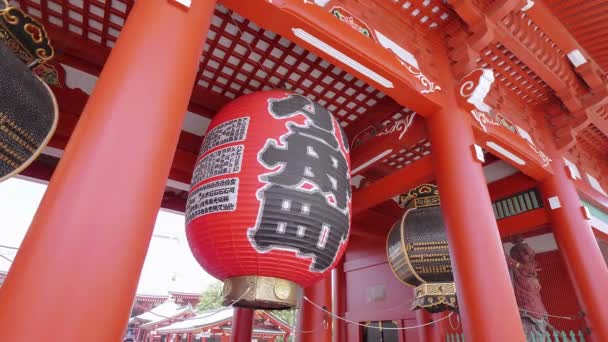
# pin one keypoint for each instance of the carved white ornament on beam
(475, 92)
(399, 126)
(528, 5)
(409, 61)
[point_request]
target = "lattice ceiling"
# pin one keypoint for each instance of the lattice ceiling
(239, 56)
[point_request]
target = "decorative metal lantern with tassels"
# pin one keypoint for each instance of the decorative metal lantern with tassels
(417, 250)
(269, 206)
(28, 109)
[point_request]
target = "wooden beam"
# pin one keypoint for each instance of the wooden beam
(90, 57)
(393, 185)
(373, 117)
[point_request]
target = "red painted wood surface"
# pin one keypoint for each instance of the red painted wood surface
(557, 291)
(125, 140)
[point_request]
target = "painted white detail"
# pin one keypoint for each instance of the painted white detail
(528, 5)
(506, 153)
(498, 170)
(356, 180)
(371, 161)
(596, 185)
(178, 185)
(554, 203)
(477, 94)
(576, 57)
(574, 172)
(77, 79)
(321, 3)
(478, 153)
(399, 126)
(316, 42)
(524, 134)
(186, 3)
(52, 151)
(402, 53)
(586, 213)
(599, 224)
(195, 124)
(539, 243)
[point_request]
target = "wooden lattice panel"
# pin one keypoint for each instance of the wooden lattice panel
(406, 156)
(96, 20)
(429, 14)
(515, 76)
(240, 57)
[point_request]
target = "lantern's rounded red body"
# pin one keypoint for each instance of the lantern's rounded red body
(270, 191)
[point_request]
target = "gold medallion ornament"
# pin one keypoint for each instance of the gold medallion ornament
(417, 250)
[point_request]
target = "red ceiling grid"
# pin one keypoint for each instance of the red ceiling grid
(587, 20)
(429, 14)
(240, 57)
(406, 156)
(95, 20)
(515, 76)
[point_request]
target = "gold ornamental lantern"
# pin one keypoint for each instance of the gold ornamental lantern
(417, 250)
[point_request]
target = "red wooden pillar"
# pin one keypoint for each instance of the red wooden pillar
(314, 325)
(92, 229)
(480, 270)
(432, 332)
(242, 325)
(190, 339)
(339, 296)
(578, 246)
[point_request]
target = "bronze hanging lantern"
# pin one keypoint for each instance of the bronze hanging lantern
(417, 250)
(28, 109)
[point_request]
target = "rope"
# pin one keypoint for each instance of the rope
(324, 326)
(371, 326)
(549, 315)
(451, 325)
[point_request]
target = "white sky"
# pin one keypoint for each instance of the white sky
(169, 264)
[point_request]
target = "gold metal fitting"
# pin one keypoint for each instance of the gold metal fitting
(259, 292)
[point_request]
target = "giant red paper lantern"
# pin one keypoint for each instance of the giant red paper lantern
(269, 207)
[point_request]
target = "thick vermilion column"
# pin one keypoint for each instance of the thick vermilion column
(314, 325)
(242, 325)
(80, 262)
(578, 246)
(339, 299)
(486, 299)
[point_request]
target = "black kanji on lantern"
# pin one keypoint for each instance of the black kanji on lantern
(301, 221)
(314, 223)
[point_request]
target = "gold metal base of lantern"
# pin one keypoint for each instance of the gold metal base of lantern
(259, 292)
(435, 297)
